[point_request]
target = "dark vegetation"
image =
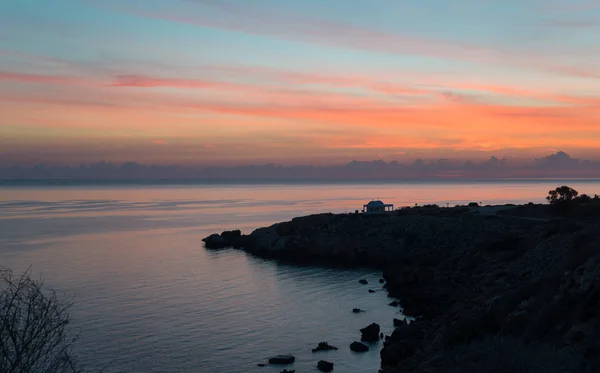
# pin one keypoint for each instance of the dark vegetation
(567, 202)
(34, 335)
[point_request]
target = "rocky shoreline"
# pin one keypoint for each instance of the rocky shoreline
(517, 290)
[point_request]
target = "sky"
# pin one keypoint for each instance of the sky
(234, 82)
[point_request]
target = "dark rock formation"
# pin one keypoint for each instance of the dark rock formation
(215, 241)
(359, 347)
(282, 359)
(399, 323)
(324, 346)
(324, 366)
(370, 333)
(233, 239)
(363, 281)
(381, 281)
(357, 310)
(394, 303)
(519, 286)
(261, 365)
(526, 299)
(288, 371)
(371, 291)
(231, 235)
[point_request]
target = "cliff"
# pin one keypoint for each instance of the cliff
(485, 289)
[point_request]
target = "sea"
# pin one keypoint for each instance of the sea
(149, 298)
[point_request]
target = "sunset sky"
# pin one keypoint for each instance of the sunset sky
(227, 82)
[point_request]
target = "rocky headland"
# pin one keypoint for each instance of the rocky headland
(499, 289)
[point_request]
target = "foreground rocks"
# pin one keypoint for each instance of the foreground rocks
(324, 346)
(527, 299)
(325, 366)
(282, 359)
(370, 333)
(509, 291)
(359, 347)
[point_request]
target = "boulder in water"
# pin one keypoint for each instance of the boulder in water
(363, 281)
(324, 346)
(357, 310)
(370, 333)
(324, 366)
(282, 359)
(359, 347)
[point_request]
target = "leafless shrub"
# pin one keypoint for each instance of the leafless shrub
(34, 336)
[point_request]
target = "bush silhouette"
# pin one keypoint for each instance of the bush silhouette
(33, 327)
(561, 194)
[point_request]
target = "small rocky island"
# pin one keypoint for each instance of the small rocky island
(497, 288)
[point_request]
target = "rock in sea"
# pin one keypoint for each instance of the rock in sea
(325, 366)
(282, 359)
(370, 333)
(363, 281)
(359, 347)
(215, 241)
(324, 346)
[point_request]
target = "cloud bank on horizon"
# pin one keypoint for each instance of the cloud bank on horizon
(226, 82)
(558, 165)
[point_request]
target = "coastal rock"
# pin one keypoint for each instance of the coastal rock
(359, 347)
(370, 333)
(363, 281)
(288, 371)
(215, 241)
(524, 281)
(399, 323)
(324, 346)
(233, 239)
(282, 359)
(231, 235)
(325, 366)
(371, 291)
(394, 303)
(381, 281)
(357, 310)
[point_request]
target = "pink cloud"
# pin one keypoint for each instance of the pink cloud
(142, 81)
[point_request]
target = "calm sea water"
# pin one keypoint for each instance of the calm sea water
(149, 297)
